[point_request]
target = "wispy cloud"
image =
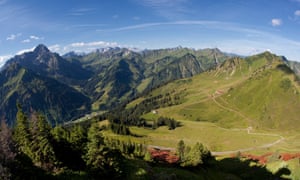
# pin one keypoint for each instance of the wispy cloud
(206, 24)
(32, 38)
(55, 48)
(297, 13)
(94, 44)
(246, 41)
(136, 18)
(81, 11)
(13, 36)
(276, 22)
(35, 37)
(171, 9)
(26, 41)
(116, 16)
(82, 46)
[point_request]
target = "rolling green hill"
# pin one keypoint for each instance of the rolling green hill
(259, 91)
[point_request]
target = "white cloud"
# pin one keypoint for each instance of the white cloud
(34, 37)
(55, 48)
(297, 13)
(3, 59)
(95, 44)
(26, 41)
(25, 50)
(276, 22)
(13, 37)
(82, 47)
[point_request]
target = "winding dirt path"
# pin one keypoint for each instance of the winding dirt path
(264, 146)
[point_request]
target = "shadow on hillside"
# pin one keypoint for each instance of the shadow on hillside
(285, 68)
(248, 169)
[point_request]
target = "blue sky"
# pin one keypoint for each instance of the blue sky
(244, 27)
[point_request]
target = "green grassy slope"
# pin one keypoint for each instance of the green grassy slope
(259, 91)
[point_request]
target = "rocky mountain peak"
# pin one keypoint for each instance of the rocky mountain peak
(41, 49)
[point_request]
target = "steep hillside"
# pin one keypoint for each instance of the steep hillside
(115, 83)
(259, 91)
(169, 68)
(295, 66)
(47, 63)
(121, 74)
(270, 98)
(34, 92)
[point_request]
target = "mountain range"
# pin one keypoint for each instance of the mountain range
(69, 86)
(66, 87)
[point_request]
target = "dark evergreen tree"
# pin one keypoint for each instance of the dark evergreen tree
(181, 149)
(41, 145)
(21, 132)
(78, 138)
(101, 160)
(70, 156)
(196, 156)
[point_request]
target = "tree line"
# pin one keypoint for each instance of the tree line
(32, 148)
(122, 117)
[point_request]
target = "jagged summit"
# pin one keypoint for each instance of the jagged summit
(41, 48)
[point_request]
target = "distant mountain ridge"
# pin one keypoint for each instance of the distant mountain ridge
(140, 71)
(65, 87)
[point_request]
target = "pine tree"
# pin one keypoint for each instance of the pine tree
(78, 138)
(41, 146)
(95, 147)
(66, 152)
(21, 133)
(100, 159)
(181, 149)
(196, 156)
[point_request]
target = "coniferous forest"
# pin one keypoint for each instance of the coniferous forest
(32, 149)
